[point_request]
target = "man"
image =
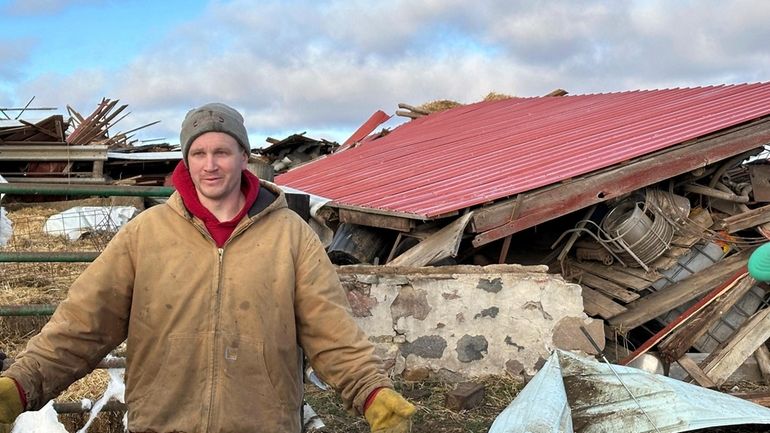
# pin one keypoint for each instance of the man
(215, 292)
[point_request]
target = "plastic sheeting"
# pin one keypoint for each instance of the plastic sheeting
(576, 394)
(78, 221)
(6, 226)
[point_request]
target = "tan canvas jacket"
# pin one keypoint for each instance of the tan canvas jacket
(213, 333)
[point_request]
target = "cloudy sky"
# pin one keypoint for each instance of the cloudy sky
(325, 66)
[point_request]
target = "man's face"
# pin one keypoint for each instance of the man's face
(215, 161)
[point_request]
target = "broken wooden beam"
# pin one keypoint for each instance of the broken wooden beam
(684, 337)
(743, 343)
(695, 372)
(682, 318)
(440, 245)
(596, 304)
(692, 287)
(613, 290)
(616, 274)
(745, 220)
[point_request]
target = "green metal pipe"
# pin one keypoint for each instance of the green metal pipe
(49, 257)
(85, 190)
(27, 310)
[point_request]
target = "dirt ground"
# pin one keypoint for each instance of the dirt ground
(429, 396)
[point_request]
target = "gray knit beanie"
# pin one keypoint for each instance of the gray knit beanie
(212, 117)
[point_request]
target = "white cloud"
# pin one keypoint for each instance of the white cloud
(307, 66)
(14, 55)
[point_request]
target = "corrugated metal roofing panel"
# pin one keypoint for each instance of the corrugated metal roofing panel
(486, 151)
(593, 397)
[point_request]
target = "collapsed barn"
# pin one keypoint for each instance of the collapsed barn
(484, 236)
(649, 200)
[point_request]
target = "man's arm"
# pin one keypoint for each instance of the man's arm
(85, 327)
(336, 346)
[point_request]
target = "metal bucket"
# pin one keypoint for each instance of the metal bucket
(637, 234)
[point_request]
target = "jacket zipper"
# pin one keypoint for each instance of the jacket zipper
(217, 307)
(215, 336)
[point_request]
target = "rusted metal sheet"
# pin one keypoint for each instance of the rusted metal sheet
(575, 394)
(488, 151)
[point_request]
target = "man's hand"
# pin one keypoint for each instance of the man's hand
(10, 401)
(388, 412)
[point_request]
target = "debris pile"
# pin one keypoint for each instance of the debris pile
(294, 150)
(44, 151)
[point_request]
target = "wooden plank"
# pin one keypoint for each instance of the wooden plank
(761, 398)
(691, 367)
(681, 340)
(608, 288)
(651, 276)
(655, 304)
(611, 273)
(686, 315)
(745, 220)
(547, 203)
(376, 220)
(762, 355)
(744, 342)
(596, 304)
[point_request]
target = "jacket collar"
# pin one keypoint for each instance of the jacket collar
(258, 209)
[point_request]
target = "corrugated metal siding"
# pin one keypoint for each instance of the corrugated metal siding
(490, 150)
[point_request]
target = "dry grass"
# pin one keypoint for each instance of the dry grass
(440, 105)
(429, 396)
(494, 96)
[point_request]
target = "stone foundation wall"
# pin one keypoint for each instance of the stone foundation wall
(471, 320)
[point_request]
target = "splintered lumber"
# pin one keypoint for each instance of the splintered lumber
(608, 288)
(732, 353)
(745, 220)
(620, 276)
(596, 304)
(682, 318)
(655, 304)
(692, 368)
(684, 337)
(440, 245)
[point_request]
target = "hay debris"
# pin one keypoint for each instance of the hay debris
(493, 96)
(439, 105)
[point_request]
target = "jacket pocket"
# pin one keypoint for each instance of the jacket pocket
(170, 393)
(252, 386)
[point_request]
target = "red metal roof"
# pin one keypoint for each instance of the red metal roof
(486, 151)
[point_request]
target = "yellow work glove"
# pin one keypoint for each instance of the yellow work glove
(389, 413)
(10, 401)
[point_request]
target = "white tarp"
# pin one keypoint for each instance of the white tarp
(78, 221)
(6, 226)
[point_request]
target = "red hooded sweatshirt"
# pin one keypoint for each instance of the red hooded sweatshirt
(220, 231)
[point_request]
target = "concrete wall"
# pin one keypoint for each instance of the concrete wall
(470, 320)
